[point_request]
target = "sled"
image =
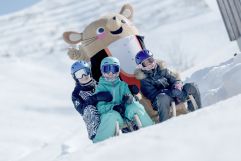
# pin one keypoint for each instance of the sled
(194, 103)
(128, 125)
(175, 109)
(117, 128)
(178, 109)
(137, 121)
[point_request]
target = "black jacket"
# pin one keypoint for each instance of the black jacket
(80, 95)
(158, 80)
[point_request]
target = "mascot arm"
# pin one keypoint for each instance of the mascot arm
(75, 54)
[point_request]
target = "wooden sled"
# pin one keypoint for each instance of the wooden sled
(126, 124)
(175, 110)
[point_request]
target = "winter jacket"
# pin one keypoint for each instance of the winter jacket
(158, 80)
(109, 117)
(117, 88)
(87, 110)
(81, 93)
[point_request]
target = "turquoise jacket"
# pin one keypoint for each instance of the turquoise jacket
(117, 88)
(109, 117)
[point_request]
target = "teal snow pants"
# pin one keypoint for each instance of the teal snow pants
(108, 120)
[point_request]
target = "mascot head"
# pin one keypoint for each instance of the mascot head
(102, 32)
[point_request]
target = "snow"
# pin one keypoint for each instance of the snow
(201, 135)
(219, 82)
(37, 118)
(177, 38)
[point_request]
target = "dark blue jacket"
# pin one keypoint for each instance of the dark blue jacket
(80, 95)
(86, 106)
(158, 80)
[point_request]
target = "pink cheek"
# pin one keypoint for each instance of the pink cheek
(101, 36)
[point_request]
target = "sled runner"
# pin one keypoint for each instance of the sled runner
(117, 129)
(130, 125)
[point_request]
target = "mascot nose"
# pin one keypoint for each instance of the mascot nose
(113, 24)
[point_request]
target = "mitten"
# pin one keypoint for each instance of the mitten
(120, 108)
(127, 99)
(134, 89)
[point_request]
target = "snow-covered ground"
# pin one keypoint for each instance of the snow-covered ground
(200, 136)
(38, 121)
(219, 82)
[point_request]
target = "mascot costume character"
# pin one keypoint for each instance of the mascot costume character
(111, 35)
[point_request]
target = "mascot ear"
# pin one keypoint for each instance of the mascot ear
(72, 37)
(127, 11)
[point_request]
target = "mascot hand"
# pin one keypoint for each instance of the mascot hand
(73, 53)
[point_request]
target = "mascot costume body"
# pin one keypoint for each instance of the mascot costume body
(111, 35)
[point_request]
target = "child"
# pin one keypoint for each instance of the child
(83, 99)
(161, 86)
(122, 104)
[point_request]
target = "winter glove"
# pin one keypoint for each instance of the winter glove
(73, 53)
(120, 108)
(91, 100)
(181, 96)
(175, 92)
(178, 92)
(127, 99)
(134, 89)
(161, 82)
(178, 85)
(103, 96)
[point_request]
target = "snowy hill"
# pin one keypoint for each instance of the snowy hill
(39, 28)
(200, 136)
(219, 82)
(38, 121)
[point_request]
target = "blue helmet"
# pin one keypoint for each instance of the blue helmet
(78, 65)
(142, 55)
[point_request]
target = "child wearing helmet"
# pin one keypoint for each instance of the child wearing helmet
(83, 96)
(122, 105)
(161, 86)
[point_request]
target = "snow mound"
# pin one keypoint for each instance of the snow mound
(212, 133)
(219, 82)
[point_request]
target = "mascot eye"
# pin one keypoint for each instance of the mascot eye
(100, 30)
(123, 21)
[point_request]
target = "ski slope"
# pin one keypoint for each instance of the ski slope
(200, 136)
(37, 118)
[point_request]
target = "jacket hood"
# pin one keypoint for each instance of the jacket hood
(139, 74)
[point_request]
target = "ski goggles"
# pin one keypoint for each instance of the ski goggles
(147, 62)
(81, 73)
(110, 68)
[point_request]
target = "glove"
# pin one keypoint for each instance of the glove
(73, 53)
(120, 108)
(91, 100)
(103, 96)
(127, 99)
(134, 89)
(178, 85)
(100, 96)
(162, 82)
(180, 95)
(175, 92)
